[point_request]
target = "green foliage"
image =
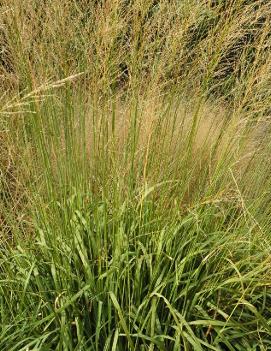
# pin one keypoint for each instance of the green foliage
(135, 175)
(95, 279)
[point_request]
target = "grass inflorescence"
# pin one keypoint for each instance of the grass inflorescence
(135, 175)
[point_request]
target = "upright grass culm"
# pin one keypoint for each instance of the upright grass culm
(135, 175)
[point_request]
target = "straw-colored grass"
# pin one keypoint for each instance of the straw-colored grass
(135, 175)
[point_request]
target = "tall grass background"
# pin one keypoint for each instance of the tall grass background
(135, 175)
